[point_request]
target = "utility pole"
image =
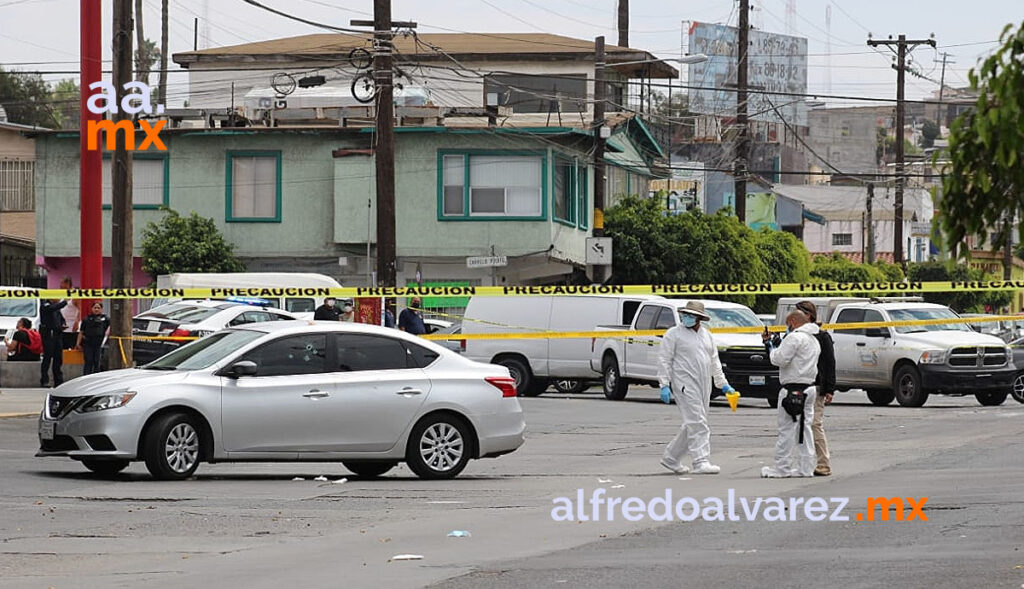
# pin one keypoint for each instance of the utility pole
(902, 44)
(598, 126)
(91, 160)
(1008, 246)
(870, 257)
(121, 250)
(743, 141)
(623, 23)
(384, 134)
(942, 87)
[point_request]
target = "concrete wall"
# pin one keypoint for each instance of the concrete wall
(14, 146)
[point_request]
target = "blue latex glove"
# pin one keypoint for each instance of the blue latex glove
(666, 395)
(728, 389)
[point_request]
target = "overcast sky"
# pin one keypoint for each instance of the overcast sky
(43, 34)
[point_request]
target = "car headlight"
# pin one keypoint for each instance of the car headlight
(934, 356)
(112, 401)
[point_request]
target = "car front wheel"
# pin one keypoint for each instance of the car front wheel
(615, 388)
(171, 447)
(439, 447)
(1018, 388)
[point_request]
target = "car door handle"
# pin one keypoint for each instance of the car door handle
(408, 391)
(315, 394)
(861, 344)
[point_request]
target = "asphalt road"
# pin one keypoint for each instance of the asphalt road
(252, 525)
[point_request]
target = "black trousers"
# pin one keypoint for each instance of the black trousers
(53, 357)
(91, 350)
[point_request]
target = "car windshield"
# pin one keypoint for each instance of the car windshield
(205, 352)
(16, 308)
(737, 317)
(918, 314)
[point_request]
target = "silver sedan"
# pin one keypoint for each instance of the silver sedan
(367, 396)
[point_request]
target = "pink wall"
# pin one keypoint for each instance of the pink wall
(58, 268)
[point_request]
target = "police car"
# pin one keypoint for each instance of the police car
(191, 319)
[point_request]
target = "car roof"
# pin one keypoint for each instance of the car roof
(708, 304)
(896, 306)
(302, 325)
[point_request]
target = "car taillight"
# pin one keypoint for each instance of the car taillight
(181, 333)
(505, 383)
(462, 345)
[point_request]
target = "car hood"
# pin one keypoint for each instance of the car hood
(948, 339)
(117, 380)
(730, 340)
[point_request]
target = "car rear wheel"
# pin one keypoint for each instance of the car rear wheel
(369, 470)
(439, 447)
(1018, 388)
(526, 385)
(615, 388)
(906, 384)
(880, 397)
(991, 399)
(107, 468)
(171, 447)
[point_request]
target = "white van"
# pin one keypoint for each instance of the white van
(534, 363)
(13, 309)
(300, 306)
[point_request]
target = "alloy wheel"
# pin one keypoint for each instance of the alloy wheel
(441, 447)
(182, 447)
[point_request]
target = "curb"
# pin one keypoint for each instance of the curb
(5, 415)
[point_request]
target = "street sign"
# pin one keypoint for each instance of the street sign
(599, 251)
(920, 229)
(486, 261)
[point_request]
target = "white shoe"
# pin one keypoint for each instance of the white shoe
(706, 468)
(768, 472)
(676, 468)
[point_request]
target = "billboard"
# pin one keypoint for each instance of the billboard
(776, 63)
(684, 191)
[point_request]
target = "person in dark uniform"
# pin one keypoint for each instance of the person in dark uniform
(327, 311)
(51, 327)
(410, 320)
(90, 337)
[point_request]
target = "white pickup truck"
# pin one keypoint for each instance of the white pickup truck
(622, 361)
(909, 363)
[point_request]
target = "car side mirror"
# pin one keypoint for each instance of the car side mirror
(876, 332)
(241, 368)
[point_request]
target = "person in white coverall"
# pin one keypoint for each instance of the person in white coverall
(797, 358)
(688, 361)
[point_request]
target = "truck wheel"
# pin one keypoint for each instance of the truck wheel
(991, 399)
(615, 388)
(906, 385)
(521, 374)
(880, 397)
(1018, 388)
(773, 400)
(571, 386)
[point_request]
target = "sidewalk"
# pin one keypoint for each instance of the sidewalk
(21, 402)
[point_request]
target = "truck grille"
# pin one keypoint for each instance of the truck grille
(751, 358)
(978, 357)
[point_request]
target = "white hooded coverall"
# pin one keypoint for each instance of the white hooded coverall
(688, 360)
(797, 359)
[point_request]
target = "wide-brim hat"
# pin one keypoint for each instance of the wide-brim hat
(696, 309)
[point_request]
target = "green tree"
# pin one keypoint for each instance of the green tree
(963, 302)
(785, 259)
(27, 99)
(66, 103)
(929, 132)
(186, 244)
(836, 268)
(985, 179)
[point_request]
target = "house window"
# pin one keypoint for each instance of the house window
(570, 192)
(842, 239)
(17, 185)
(254, 186)
(149, 182)
(482, 186)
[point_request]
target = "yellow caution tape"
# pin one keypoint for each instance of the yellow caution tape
(795, 288)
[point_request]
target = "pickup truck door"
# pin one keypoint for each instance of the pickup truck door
(847, 350)
(876, 353)
(665, 321)
(637, 349)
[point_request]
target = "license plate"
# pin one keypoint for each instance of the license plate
(46, 430)
(757, 380)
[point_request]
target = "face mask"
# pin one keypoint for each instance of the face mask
(688, 320)
(348, 308)
(789, 329)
